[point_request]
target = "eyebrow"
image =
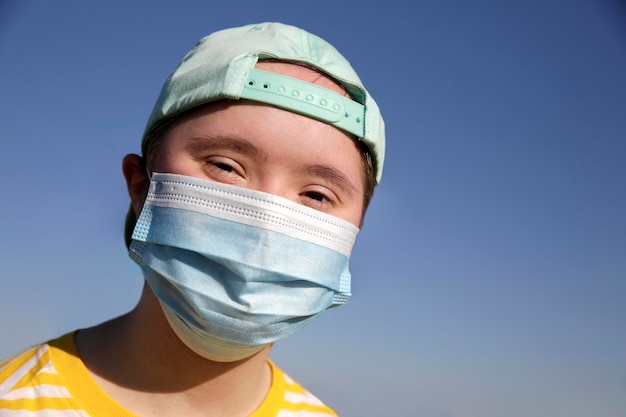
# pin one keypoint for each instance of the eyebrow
(332, 175)
(201, 143)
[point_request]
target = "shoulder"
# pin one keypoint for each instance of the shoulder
(22, 368)
(287, 398)
(29, 380)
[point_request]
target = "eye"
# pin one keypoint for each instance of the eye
(315, 196)
(224, 169)
(319, 198)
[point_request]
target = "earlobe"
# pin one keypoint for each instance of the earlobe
(134, 169)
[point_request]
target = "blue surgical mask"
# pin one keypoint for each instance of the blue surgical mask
(237, 269)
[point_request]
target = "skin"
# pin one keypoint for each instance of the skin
(136, 358)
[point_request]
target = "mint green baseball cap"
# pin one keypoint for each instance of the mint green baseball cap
(221, 66)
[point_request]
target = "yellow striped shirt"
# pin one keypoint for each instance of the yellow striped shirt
(50, 380)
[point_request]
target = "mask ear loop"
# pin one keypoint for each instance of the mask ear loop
(131, 219)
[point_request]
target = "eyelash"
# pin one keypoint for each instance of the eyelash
(224, 166)
(317, 199)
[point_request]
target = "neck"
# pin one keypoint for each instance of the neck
(139, 361)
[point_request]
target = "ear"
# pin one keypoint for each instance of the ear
(137, 180)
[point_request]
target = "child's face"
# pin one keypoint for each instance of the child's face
(267, 149)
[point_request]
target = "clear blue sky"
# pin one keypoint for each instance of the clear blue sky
(490, 276)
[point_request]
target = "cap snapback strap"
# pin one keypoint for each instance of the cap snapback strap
(305, 98)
